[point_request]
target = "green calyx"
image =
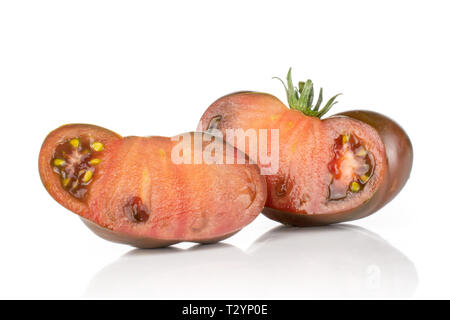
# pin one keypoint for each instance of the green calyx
(301, 98)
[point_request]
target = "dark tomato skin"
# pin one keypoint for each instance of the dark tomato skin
(399, 155)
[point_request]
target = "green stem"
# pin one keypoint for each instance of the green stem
(301, 98)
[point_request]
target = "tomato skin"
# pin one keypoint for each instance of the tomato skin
(142, 242)
(137, 195)
(255, 110)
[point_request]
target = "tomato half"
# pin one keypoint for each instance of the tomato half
(129, 190)
(330, 170)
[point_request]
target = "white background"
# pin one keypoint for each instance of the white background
(152, 68)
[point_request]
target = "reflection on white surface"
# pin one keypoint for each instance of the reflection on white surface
(341, 261)
(285, 263)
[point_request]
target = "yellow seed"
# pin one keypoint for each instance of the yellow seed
(59, 162)
(75, 142)
(361, 152)
(345, 138)
(87, 176)
(355, 187)
(66, 182)
(364, 178)
(94, 161)
(97, 146)
(289, 124)
(162, 153)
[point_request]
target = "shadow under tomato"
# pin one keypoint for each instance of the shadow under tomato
(340, 261)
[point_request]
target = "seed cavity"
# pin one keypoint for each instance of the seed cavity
(135, 210)
(351, 167)
(74, 161)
